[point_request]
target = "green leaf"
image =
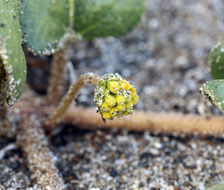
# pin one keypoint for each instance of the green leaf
(102, 18)
(217, 187)
(217, 60)
(214, 92)
(12, 61)
(44, 23)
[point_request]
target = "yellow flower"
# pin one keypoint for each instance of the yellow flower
(113, 86)
(110, 100)
(133, 89)
(105, 106)
(114, 96)
(124, 85)
(120, 107)
(120, 99)
(106, 115)
(113, 113)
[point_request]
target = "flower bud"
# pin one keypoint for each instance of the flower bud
(120, 99)
(113, 86)
(110, 100)
(114, 96)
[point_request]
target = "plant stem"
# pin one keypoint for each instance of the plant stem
(72, 93)
(171, 123)
(41, 163)
(5, 122)
(71, 13)
(56, 87)
(6, 126)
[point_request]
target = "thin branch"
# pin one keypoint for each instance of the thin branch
(41, 163)
(57, 115)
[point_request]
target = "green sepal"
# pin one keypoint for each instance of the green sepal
(12, 61)
(214, 92)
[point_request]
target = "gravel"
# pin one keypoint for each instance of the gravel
(166, 57)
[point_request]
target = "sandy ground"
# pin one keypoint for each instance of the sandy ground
(166, 57)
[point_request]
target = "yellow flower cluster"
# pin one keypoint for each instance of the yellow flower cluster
(114, 96)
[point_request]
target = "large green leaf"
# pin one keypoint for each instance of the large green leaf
(101, 18)
(214, 92)
(217, 60)
(12, 61)
(44, 23)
